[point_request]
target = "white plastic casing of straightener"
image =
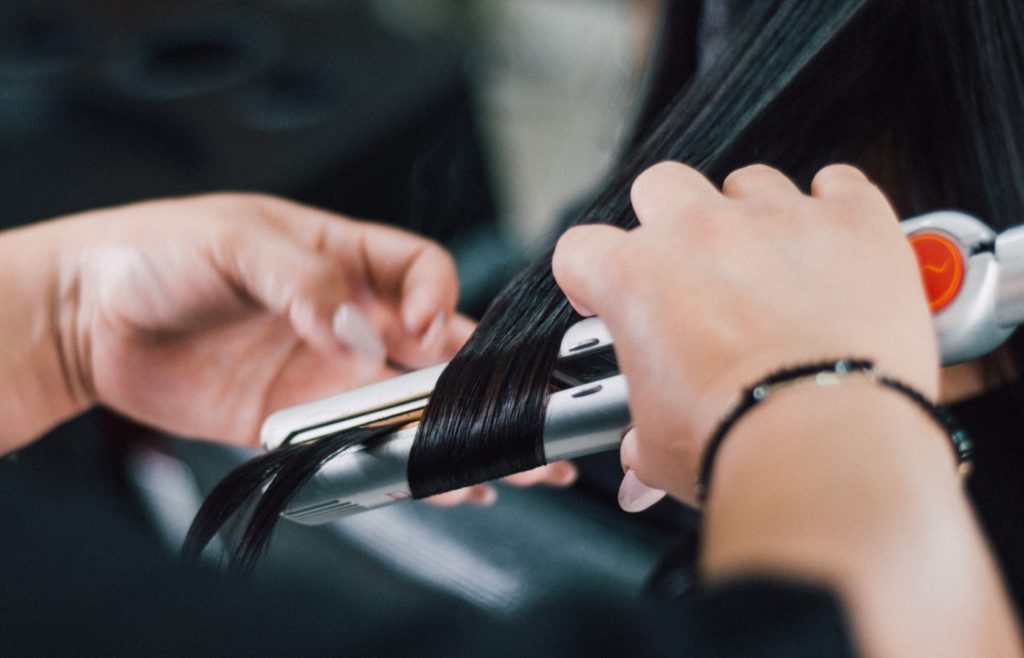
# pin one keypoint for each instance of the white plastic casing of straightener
(975, 312)
(583, 419)
(975, 281)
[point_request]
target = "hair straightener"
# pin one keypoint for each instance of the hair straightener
(974, 279)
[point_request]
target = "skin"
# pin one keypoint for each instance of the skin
(851, 486)
(202, 315)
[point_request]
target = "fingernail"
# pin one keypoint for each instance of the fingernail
(433, 337)
(635, 496)
(353, 329)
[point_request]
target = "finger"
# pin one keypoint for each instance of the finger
(457, 331)
(478, 494)
(670, 192)
(420, 351)
(628, 457)
(460, 329)
(395, 264)
(849, 185)
(561, 474)
(449, 498)
(759, 182)
(581, 264)
(435, 346)
(528, 478)
(287, 279)
(430, 290)
(634, 494)
(558, 474)
(413, 271)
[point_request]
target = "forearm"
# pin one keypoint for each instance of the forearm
(38, 389)
(855, 487)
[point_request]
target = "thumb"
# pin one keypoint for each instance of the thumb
(634, 494)
(580, 266)
(289, 279)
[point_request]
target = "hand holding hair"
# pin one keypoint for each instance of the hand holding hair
(851, 485)
(715, 289)
(201, 315)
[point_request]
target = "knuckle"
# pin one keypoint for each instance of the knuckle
(274, 210)
(231, 235)
(750, 172)
(448, 268)
(241, 199)
(262, 199)
(837, 175)
(442, 264)
(438, 255)
(221, 197)
(569, 259)
(251, 206)
(665, 169)
(427, 252)
(843, 169)
(651, 179)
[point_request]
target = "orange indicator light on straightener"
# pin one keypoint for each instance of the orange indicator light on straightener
(942, 267)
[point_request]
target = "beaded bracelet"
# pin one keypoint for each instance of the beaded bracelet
(824, 374)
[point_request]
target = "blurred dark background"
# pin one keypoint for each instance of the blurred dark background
(107, 101)
(371, 109)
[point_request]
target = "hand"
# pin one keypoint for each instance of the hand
(715, 290)
(202, 315)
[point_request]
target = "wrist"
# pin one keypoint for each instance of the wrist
(855, 487)
(828, 373)
(804, 469)
(40, 376)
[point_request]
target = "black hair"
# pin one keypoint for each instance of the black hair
(276, 478)
(927, 96)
